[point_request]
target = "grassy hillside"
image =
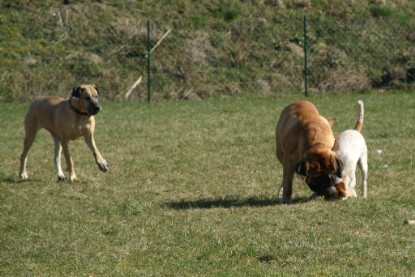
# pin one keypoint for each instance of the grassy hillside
(214, 48)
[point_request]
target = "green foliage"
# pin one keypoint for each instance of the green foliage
(381, 11)
(228, 10)
(352, 46)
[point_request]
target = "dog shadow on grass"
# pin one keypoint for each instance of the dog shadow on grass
(10, 180)
(229, 202)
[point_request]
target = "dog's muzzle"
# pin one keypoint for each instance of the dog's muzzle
(93, 108)
(319, 184)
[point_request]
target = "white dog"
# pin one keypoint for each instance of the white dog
(351, 149)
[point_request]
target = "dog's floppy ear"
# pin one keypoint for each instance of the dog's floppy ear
(76, 92)
(340, 167)
(341, 189)
(95, 87)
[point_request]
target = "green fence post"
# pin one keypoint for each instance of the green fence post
(148, 63)
(305, 58)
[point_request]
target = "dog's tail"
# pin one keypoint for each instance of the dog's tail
(359, 124)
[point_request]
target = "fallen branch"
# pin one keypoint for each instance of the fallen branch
(408, 221)
(158, 43)
(127, 95)
(60, 20)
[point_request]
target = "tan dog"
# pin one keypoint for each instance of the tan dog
(304, 144)
(65, 119)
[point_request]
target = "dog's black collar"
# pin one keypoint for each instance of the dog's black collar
(76, 110)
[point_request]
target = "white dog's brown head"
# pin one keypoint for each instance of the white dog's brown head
(329, 186)
(84, 99)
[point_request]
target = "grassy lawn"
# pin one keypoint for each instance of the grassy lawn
(192, 192)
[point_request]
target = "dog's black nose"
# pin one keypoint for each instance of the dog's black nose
(320, 184)
(94, 109)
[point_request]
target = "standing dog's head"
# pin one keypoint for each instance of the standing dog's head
(321, 168)
(85, 99)
(321, 161)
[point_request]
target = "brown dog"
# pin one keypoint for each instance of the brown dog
(65, 119)
(304, 145)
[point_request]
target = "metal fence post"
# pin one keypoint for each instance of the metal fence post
(148, 63)
(305, 58)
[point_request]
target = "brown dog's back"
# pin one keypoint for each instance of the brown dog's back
(301, 119)
(41, 112)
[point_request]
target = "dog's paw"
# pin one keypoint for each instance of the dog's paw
(103, 166)
(23, 176)
(285, 200)
(73, 177)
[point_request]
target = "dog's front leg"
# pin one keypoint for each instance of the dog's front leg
(287, 183)
(57, 160)
(101, 162)
(69, 162)
(22, 169)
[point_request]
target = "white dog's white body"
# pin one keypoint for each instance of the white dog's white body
(351, 149)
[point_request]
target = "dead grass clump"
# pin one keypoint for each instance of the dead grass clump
(296, 49)
(303, 3)
(343, 80)
(87, 56)
(129, 27)
(191, 95)
(396, 77)
(327, 56)
(279, 80)
(331, 70)
(263, 87)
(199, 47)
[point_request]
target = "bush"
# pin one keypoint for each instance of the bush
(381, 11)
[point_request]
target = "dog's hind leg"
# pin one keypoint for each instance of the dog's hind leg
(57, 159)
(30, 134)
(364, 169)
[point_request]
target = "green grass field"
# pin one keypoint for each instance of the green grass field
(192, 192)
